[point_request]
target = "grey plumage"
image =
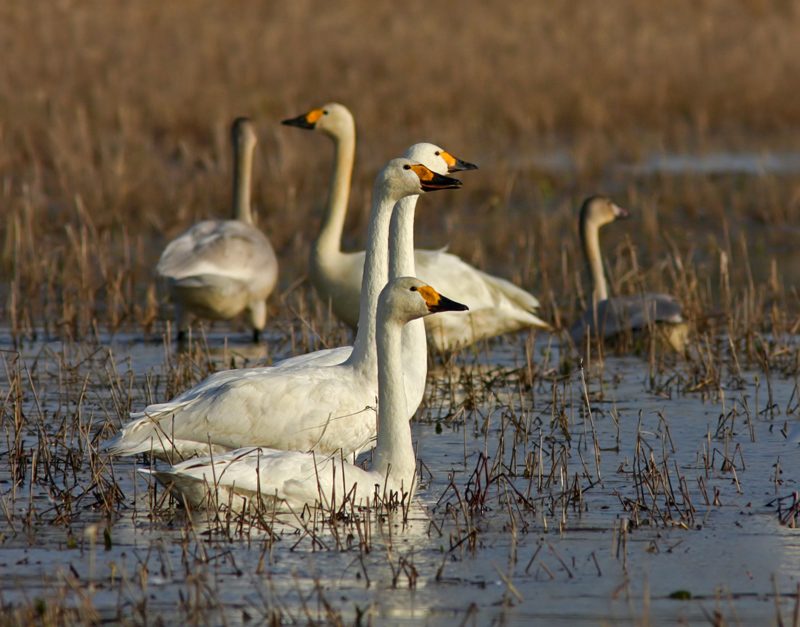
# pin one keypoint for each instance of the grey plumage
(620, 313)
(607, 317)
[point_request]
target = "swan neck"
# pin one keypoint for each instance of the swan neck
(401, 235)
(329, 240)
(376, 273)
(242, 175)
(395, 451)
(402, 263)
(590, 237)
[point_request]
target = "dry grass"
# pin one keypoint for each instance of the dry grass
(546, 449)
(113, 139)
(113, 130)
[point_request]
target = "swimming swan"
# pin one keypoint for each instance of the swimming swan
(307, 407)
(218, 268)
(401, 263)
(607, 317)
(296, 479)
(496, 306)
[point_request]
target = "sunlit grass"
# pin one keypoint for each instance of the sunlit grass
(114, 137)
(113, 140)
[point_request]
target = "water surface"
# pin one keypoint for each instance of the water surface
(560, 534)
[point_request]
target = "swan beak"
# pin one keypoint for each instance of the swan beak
(431, 181)
(454, 164)
(436, 302)
(620, 213)
(307, 120)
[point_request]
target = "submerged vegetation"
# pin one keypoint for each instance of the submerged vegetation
(545, 469)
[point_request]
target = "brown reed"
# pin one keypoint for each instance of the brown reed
(116, 119)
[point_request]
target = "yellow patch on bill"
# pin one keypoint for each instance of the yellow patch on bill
(430, 295)
(313, 116)
(449, 159)
(423, 173)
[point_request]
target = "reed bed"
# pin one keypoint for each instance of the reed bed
(548, 447)
(113, 140)
(116, 115)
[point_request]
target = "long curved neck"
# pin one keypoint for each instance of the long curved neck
(402, 263)
(395, 451)
(329, 240)
(401, 235)
(590, 236)
(376, 272)
(242, 175)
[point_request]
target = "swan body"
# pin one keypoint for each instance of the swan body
(608, 317)
(496, 306)
(294, 479)
(219, 268)
(306, 407)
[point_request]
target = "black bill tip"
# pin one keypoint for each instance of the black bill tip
(300, 121)
(445, 304)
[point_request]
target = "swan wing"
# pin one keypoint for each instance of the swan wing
(621, 313)
(324, 357)
(222, 248)
(496, 306)
(292, 477)
(323, 408)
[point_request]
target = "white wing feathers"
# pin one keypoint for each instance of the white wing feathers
(315, 408)
(227, 248)
(290, 476)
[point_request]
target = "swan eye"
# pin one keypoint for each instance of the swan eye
(438, 153)
(406, 167)
(413, 288)
(324, 113)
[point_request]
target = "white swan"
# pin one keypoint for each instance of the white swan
(401, 263)
(218, 268)
(296, 479)
(607, 317)
(307, 407)
(496, 306)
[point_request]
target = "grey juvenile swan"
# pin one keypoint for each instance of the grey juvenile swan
(608, 317)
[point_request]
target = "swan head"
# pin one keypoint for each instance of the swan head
(333, 119)
(599, 210)
(403, 177)
(437, 159)
(408, 298)
(243, 133)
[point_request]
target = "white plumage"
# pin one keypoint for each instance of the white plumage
(402, 262)
(496, 306)
(305, 407)
(295, 479)
(219, 268)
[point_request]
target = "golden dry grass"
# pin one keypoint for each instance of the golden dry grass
(113, 131)
(114, 138)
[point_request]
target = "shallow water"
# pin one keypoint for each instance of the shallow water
(756, 164)
(744, 163)
(540, 553)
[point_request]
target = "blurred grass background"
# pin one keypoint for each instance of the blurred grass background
(114, 135)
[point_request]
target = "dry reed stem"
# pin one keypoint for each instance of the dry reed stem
(113, 150)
